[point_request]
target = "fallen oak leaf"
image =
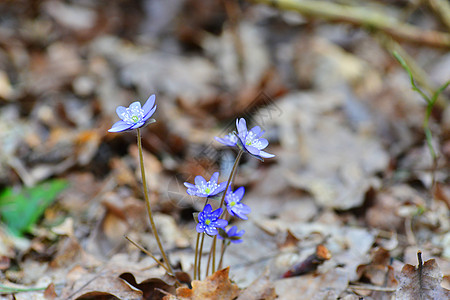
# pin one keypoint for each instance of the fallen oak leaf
(422, 282)
(216, 286)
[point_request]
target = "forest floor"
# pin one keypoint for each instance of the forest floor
(358, 191)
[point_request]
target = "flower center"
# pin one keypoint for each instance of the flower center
(233, 203)
(249, 139)
(133, 115)
(208, 221)
(208, 188)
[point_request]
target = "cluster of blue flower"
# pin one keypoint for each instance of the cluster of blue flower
(209, 221)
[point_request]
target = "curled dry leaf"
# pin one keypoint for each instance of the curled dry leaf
(422, 282)
(216, 286)
(310, 264)
(378, 271)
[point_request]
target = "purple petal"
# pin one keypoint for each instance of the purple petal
(214, 177)
(200, 228)
(232, 231)
(207, 210)
(211, 230)
(192, 192)
(255, 130)
(150, 113)
(252, 150)
(245, 209)
(120, 110)
(222, 186)
(189, 185)
(216, 214)
(239, 193)
(241, 126)
(221, 223)
(148, 104)
(260, 134)
(225, 141)
(263, 143)
(240, 233)
(138, 125)
(135, 106)
(120, 126)
(199, 180)
(240, 215)
(265, 154)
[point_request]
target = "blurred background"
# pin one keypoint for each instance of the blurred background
(352, 168)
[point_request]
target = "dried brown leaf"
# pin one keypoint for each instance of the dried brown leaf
(422, 282)
(216, 286)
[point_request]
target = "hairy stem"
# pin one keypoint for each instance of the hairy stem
(222, 252)
(196, 256)
(147, 202)
(200, 257)
(230, 179)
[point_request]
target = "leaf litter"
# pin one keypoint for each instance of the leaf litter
(352, 174)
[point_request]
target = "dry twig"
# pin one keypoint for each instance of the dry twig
(361, 16)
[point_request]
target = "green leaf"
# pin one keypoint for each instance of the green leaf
(20, 210)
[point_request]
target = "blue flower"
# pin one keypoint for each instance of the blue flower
(232, 234)
(203, 188)
(229, 140)
(134, 116)
(251, 141)
(234, 205)
(208, 220)
(248, 140)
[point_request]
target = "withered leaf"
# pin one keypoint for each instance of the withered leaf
(422, 282)
(216, 286)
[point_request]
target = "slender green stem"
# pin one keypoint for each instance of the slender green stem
(213, 249)
(208, 264)
(200, 257)
(147, 202)
(222, 252)
(230, 179)
(196, 256)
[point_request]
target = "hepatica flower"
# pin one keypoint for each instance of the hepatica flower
(248, 140)
(208, 220)
(232, 234)
(203, 188)
(229, 140)
(234, 205)
(134, 116)
(251, 141)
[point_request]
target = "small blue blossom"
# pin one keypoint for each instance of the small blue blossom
(208, 220)
(232, 234)
(229, 140)
(203, 188)
(251, 141)
(134, 116)
(234, 205)
(248, 140)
